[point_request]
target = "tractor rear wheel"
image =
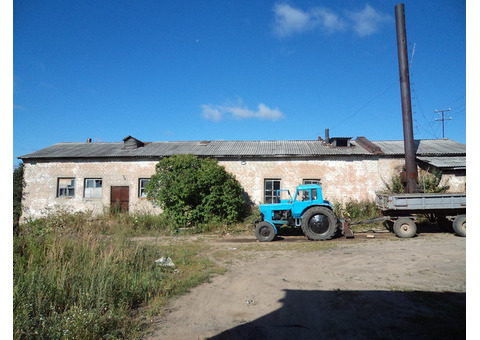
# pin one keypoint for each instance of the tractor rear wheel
(319, 223)
(264, 232)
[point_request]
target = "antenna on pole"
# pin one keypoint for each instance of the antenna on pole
(413, 53)
(443, 119)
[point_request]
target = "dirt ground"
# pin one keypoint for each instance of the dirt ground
(379, 287)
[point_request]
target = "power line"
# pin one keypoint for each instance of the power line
(461, 109)
(427, 122)
(460, 97)
(366, 104)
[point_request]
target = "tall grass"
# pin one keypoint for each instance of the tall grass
(75, 278)
(357, 210)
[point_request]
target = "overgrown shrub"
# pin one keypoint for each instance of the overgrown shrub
(428, 182)
(395, 185)
(193, 190)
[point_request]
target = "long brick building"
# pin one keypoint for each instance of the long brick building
(94, 176)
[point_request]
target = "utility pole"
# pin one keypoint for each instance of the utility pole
(411, 172)
(443, 119)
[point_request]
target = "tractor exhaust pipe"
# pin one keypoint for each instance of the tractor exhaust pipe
(408, 141)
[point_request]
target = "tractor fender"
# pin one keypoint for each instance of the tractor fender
(273, 225)
(328, 205)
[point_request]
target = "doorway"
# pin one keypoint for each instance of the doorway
(119, 199)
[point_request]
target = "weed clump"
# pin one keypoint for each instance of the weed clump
(80, 277)
(357, 210)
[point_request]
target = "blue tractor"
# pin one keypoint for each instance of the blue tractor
(307, 210)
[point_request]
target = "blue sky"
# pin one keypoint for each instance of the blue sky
(232, 70)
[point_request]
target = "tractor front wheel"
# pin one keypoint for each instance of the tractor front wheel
(319, 223)
(264, 232)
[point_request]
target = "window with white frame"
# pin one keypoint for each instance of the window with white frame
(142, 182)
(270, 192)
(93, 187)
(66, 187)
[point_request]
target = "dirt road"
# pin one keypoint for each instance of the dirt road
(365, 288)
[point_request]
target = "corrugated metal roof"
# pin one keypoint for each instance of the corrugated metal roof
(239, 149)
(453, 162)
(424, 147)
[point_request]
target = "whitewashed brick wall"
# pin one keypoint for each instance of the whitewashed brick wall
(343, 179)
(40, 193)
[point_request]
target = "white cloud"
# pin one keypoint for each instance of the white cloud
(290, 20)
(328, 20)
(265, 112)
(368, 21)
(210, 112)
(217, 112)
(168, 133)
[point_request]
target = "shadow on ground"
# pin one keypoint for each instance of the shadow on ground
(359, 315)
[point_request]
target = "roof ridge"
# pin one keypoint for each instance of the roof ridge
(88, 143)
(300, 148)
(418, 139)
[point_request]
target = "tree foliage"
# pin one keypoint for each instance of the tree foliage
(195, 190)
(18, 185)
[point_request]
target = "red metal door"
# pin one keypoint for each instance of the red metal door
(119, 198)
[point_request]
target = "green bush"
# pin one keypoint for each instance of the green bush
(430, 182)
(395, 185)
(194, 190)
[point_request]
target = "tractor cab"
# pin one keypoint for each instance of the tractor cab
(305, 197)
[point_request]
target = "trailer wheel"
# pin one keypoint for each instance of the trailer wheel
(319, 223)
(405, 227)
(460, 225)
(264, 232)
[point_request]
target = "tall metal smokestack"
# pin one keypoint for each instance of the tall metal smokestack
(411, 167)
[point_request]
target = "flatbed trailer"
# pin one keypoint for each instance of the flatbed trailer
(400, 211)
